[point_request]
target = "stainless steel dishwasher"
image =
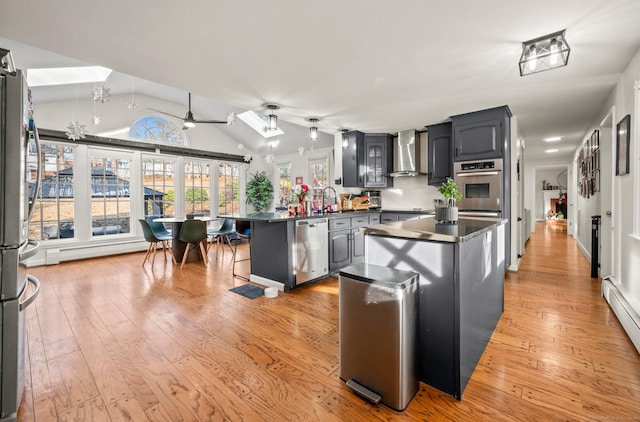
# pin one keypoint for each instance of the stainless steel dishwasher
(311, 249)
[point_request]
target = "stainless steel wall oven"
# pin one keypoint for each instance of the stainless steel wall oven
(480, 183)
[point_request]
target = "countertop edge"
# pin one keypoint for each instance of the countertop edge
(396, 230)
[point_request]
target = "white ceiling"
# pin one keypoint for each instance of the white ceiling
(375, 66)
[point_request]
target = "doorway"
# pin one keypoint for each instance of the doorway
(608, 250)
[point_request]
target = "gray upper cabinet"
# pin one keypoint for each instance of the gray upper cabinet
(367, 160)
(353, 160)
(378, 152)
(481, 134)
(440, 157)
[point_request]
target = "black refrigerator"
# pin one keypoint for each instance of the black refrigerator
(19, 168)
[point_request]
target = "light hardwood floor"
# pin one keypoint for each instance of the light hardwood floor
(111, 340)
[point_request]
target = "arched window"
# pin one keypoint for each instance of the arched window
(157, 130)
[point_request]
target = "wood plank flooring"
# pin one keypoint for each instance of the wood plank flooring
(109, 340)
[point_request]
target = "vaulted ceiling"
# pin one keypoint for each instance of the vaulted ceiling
(375, 66)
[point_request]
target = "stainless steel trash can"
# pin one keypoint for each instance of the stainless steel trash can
(378, 320)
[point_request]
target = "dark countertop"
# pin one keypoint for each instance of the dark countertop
(279, 216)
(429, 229)
(275, 217)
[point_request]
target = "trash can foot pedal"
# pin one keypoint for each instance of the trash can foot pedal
(364, 391)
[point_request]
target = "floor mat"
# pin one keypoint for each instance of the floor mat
(248, 290)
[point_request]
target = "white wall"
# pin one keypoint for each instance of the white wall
(625, 207)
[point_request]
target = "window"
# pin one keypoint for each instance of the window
(54, 211)
(319, 168)
(158, 178)
(284, 181)
(197, 187)
(228, 189)
(110, 193)
(157, 130)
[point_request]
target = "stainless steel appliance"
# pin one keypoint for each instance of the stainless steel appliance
(480, 183)
(311, 249)
(375, 200)
(406, 154)
(17, 172)
(378, 320)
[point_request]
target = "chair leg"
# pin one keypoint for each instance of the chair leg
(155, 248)
(147, 254)
(184, 257)
(165, 244)
(203, 251)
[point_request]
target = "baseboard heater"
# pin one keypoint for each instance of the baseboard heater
(624, 312)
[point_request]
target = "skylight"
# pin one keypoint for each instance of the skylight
(259, 122)
(67, 75)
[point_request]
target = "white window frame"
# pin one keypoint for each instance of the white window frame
(133, 193)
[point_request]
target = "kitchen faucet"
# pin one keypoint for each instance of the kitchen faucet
(334, 194)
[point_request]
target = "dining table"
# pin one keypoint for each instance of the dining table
(178, 246)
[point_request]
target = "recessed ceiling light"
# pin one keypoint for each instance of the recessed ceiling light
(550, 150)
(552, 139)
(67, 75)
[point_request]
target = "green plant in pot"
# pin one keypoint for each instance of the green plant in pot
(259, 191)
(448, 213)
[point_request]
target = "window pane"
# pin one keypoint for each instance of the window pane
(319, 176)
(197, 187)
(157, 130)
(159, 184)
(228, 189)
(110, 195)
(285, 184)
(54, 213)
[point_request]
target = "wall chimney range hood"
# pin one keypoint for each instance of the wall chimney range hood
(406, 154)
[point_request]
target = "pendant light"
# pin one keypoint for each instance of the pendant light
(313, 130)
(272, 123)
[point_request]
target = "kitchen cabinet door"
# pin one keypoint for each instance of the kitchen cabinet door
(357, 246)
(440, 158)
(339, 249)
(378, 151)
(481, 134)
(353, 160)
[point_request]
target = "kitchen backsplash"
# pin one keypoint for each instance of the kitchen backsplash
(407, 194)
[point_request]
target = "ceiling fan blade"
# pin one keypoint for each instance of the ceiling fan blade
(210, 121)
(164, 112)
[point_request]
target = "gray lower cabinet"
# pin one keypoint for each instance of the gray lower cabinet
(390, 217)
(346, 242)
(339, 249)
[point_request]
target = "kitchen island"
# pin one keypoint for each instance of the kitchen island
(461, 292)
(282, 260)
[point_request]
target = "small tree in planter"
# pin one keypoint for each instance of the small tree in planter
(448, 213)
(259, 191)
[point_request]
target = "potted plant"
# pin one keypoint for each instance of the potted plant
(259, 191)
(449, 212)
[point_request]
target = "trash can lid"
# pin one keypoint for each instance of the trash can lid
(377, 274)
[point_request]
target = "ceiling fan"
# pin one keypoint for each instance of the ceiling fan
(190, 121)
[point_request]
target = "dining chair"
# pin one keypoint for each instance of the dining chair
(222, 234)
(157, 227)
(153, 240)
(194, 232)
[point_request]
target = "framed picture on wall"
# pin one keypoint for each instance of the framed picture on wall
(596, 139)
(623, 134)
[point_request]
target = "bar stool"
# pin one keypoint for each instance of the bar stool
(243, 232)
